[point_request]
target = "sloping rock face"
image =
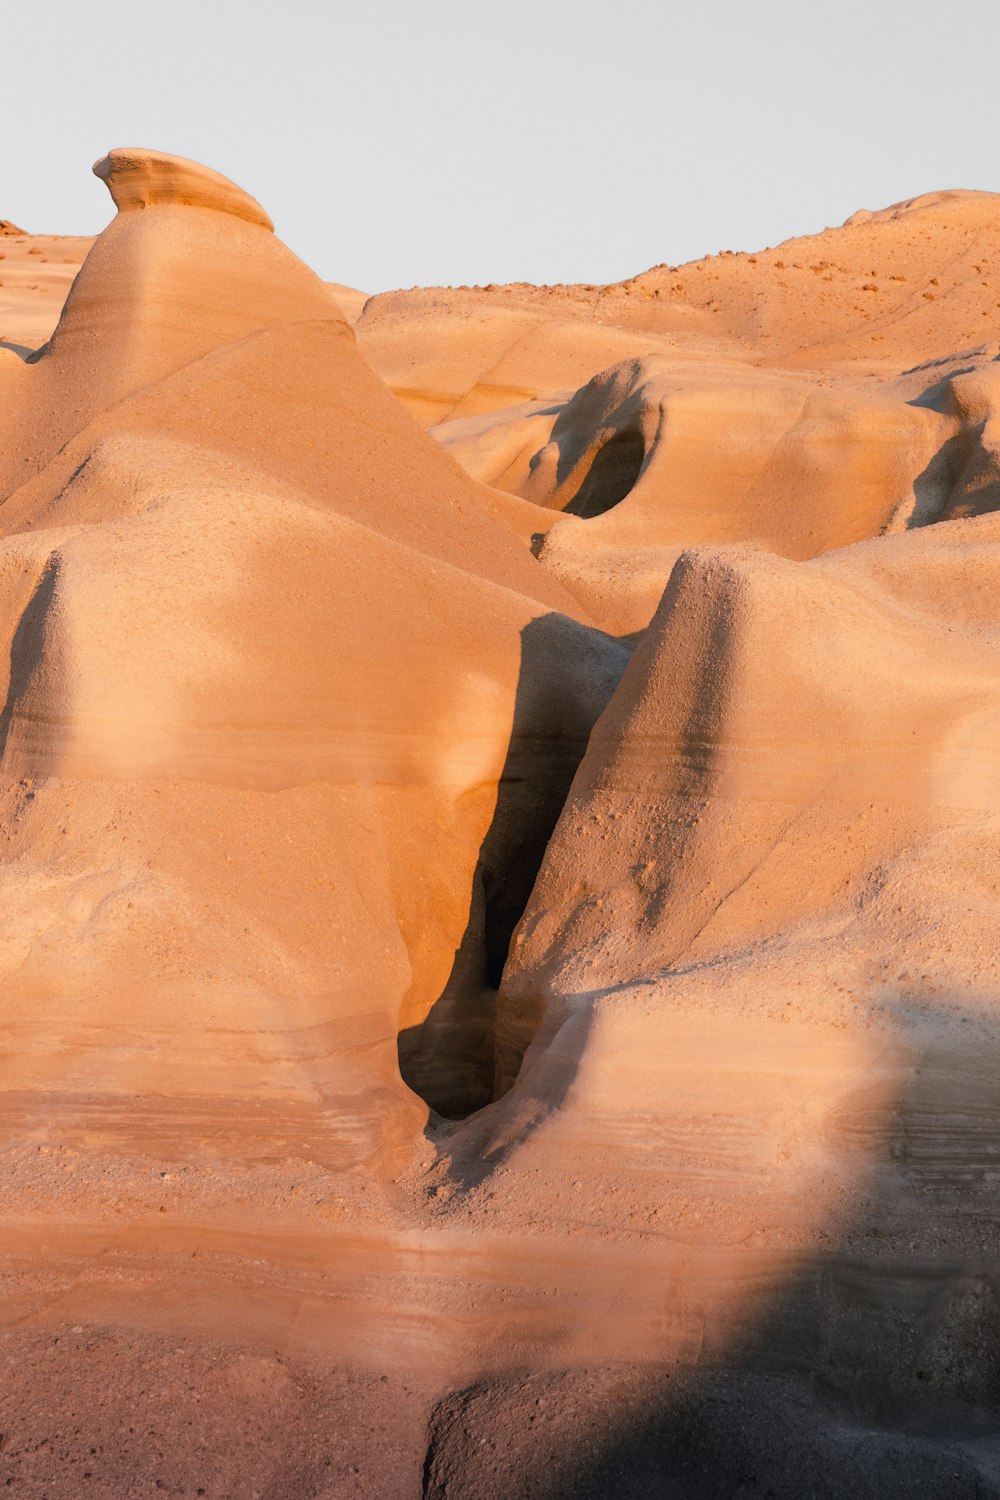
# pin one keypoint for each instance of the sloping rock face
(757, 958)
(266, 642)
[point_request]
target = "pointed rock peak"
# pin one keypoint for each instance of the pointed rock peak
(138, 178)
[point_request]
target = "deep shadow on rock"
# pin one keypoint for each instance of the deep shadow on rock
(567, 675)
(872, 1371)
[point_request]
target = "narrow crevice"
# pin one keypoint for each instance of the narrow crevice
(568, 673)
(449, 1059)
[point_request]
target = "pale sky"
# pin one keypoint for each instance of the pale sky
(443, 142)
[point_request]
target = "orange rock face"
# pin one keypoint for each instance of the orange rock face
(500, 803)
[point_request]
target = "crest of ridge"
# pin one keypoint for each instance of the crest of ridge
(138, 178)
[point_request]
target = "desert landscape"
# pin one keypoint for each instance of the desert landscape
(500, 811)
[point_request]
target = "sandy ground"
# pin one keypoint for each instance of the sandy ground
(103, 1412)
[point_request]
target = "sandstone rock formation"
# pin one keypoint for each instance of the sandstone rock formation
(265, 637)
(500, 848)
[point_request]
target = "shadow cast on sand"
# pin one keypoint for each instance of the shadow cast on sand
(872, 1371)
